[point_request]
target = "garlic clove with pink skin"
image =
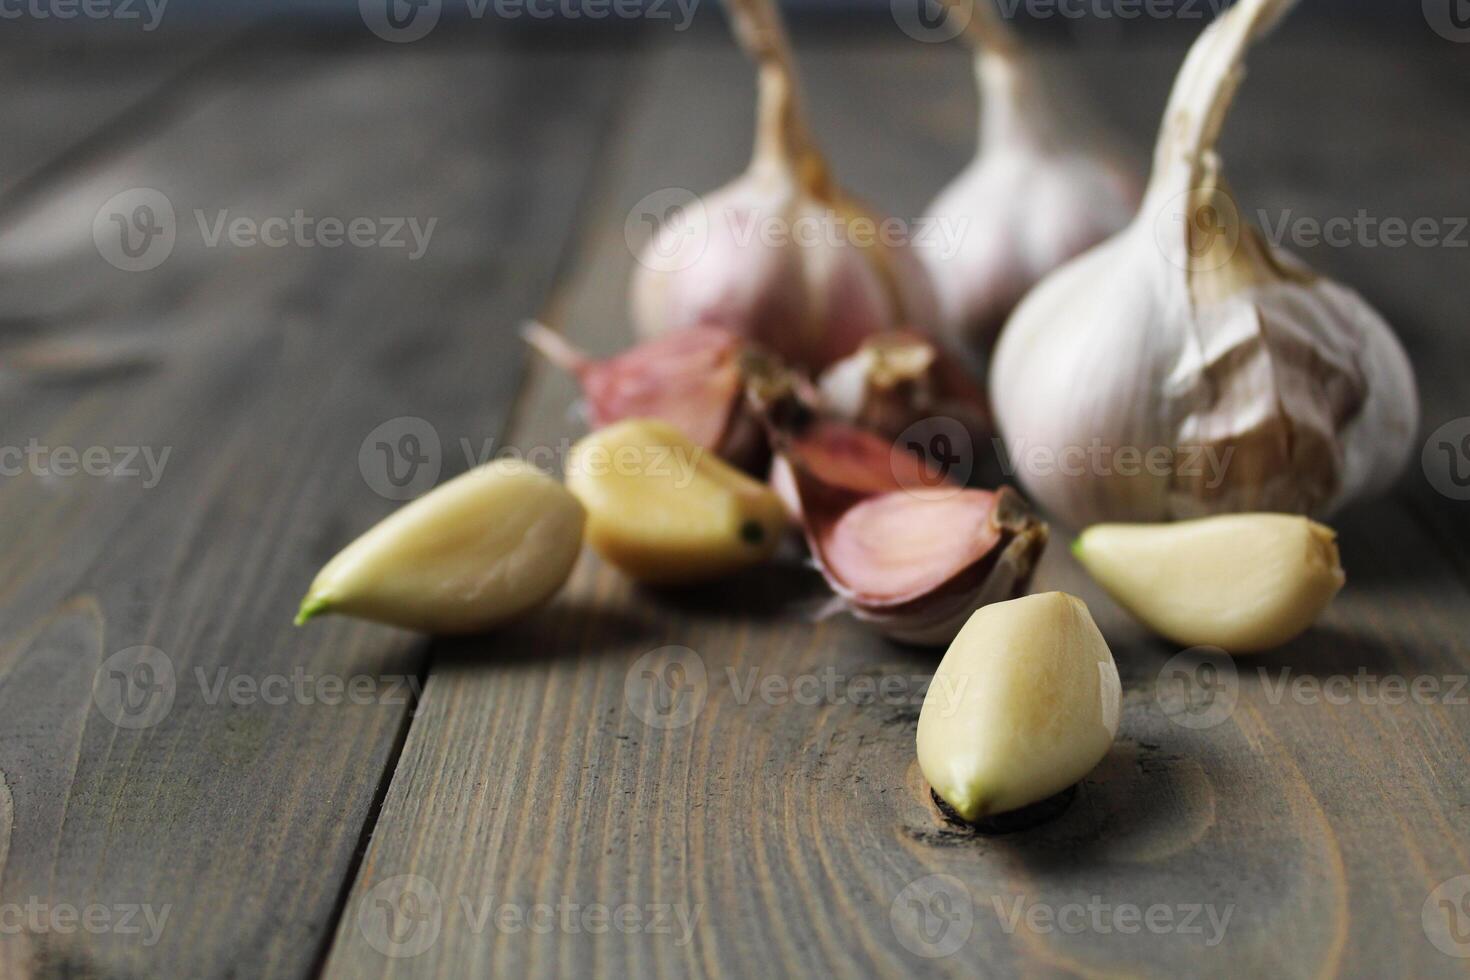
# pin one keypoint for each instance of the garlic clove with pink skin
(1046, 184)
(911, 564)
(1187, 366)
(781, 256)
(692, 379)
(851, 464)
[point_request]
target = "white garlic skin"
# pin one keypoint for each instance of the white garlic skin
(1037, 194)
(742, 261)
(1246, 394)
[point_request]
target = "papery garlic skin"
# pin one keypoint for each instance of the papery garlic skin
(782, 255)
(482, 549)
(1025, 703)
(1046, 184)
(666, 511)
(1241, 582)
(1188, 367)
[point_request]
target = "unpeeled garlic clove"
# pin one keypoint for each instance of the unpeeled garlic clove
(1046, 184)
(476, 552)
(1241, 582)
(743, 258)
(1024, 704)
(691, 378)
(897, 379)
(1187, 366)
(666, 511)
(915, 563)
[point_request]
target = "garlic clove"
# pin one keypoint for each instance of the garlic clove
(692, 378)
(476, 552)
(1024, 704)
(742, 259)
(1188, 367)
(1241, 582)
(897, 379)
(1046, 184)
(849, 463)
(666, 511)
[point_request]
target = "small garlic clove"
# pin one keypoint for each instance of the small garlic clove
(1241, 582)
(666, 511)
(1024, 704)
(476, 552)
(897, 379)
(691, 378)
(742, 258)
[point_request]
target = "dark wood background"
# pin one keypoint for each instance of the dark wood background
(521, 774)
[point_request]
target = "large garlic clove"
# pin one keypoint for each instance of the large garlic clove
(691, 378)
(666, 511)
(1241, 582)
(1046, 184)
(476, 552)
(1188, 367)
(781, 256)
(1024, 704)
(897, 379)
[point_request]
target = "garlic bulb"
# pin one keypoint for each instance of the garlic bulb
(1187, 366)
(691, 378)
(1046, 184)
(781, 256)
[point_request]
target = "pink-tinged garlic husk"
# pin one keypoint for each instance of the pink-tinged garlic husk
(914, 566)
(1234, 378)
(693, 379)
(898, 379)
(782, 256)
(1047, 183)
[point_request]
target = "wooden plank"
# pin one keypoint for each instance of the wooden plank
(260, 371)
(795, 835)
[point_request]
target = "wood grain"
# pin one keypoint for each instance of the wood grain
(260, 371)
(796, 834)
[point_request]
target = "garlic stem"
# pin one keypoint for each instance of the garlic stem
(1203, 93)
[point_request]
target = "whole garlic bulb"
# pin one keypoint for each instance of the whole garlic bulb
(1187, 366)
(1046, 184)
(782, 255)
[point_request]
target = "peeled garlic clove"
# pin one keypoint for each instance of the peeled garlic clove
(1024, 704)
(745, 257)
(691, 378)
(1187, 366)
(476, 552)
(897, 379)
(1046, 184)
(666, 511)
(1241, 582)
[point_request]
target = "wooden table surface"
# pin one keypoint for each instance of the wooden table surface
(216, 806)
